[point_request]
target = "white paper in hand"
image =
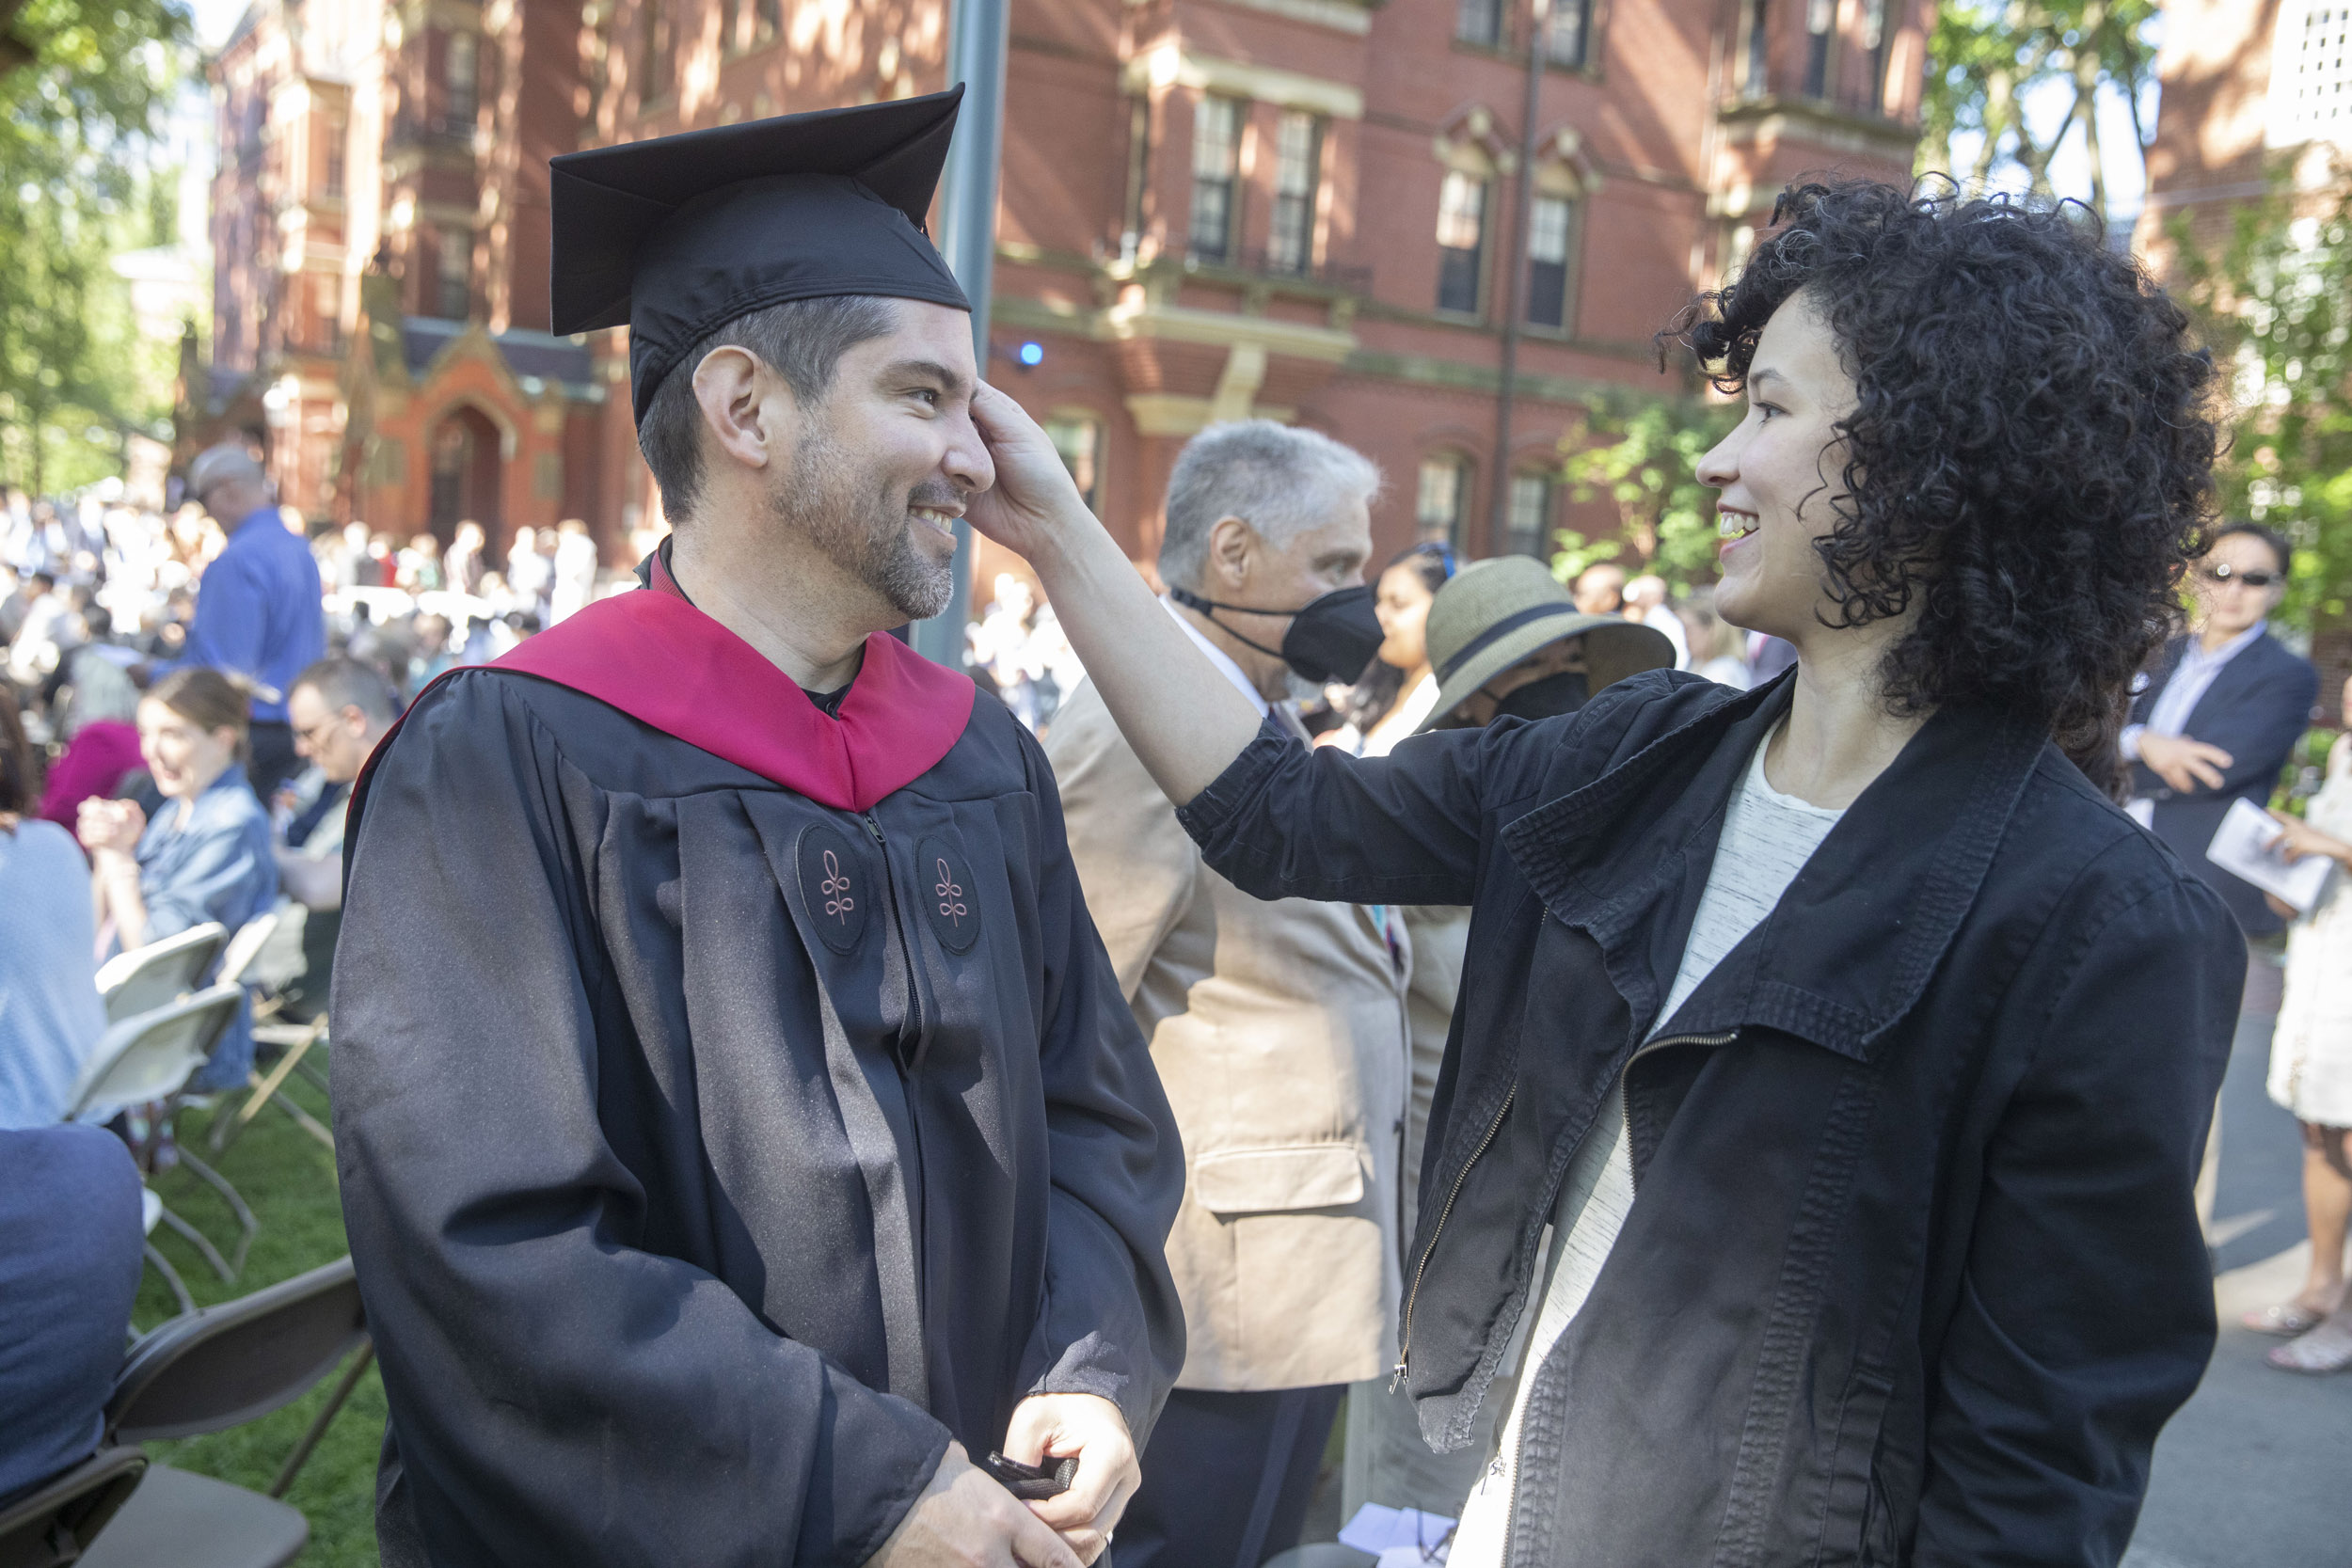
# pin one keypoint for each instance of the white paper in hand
(2246, 846)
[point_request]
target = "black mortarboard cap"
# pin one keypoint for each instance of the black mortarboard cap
(676, 236)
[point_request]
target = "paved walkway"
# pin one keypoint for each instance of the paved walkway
(2256, 1470)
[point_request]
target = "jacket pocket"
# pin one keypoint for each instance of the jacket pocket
(1270, 1180)
(1858, 1529)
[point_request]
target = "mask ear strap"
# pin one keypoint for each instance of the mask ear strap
(1208, 607)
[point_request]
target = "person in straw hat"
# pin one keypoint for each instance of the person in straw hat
(1502, 639)
(1852, 1046)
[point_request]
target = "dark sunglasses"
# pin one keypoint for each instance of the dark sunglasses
(2226, 573)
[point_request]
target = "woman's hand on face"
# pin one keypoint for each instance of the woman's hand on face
(110, 827)
(1034, 507)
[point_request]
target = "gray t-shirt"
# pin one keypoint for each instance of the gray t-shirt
(1766, 838)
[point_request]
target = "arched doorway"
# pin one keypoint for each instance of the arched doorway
(465, 474)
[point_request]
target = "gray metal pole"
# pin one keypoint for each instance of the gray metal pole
(1515, 284)
(976, 58)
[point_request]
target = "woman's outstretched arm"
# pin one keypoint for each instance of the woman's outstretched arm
(1184, 720)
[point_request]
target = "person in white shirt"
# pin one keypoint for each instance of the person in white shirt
(1646, 604)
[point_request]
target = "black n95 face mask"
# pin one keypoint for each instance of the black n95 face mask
(1331, 638)
(1547, 698)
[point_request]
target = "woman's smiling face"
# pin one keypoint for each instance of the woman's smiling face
(1779, 474)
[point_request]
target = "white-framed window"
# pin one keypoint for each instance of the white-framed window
(1441, 503)
(1876, 36)
(1820, 24)
(1568, 32)
(1461, 241)
(455, 282)
(1216, 165)
(2311, 74)
(462, 77)
(1298, 165)
(1529, 516)
(1479, 21)
(1550, 223)
(1079, 441)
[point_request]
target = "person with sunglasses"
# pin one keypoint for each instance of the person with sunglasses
(2222, 710)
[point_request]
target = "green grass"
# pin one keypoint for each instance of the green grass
(288, 1178)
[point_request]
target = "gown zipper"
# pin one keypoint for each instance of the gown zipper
(906, 942)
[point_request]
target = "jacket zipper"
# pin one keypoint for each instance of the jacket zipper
(1405, 1346)
(1625, 1101)
(1625, 1113)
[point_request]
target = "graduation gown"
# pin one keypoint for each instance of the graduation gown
(733, 1102)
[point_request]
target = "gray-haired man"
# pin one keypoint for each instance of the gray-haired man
(1279, 1029)
(257, 610)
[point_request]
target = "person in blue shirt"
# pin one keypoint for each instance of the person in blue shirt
(257, 610)
(206, 855)
(69, 1238)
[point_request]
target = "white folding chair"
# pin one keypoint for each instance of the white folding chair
(160, 972)
(245, 948)
(150, 1057)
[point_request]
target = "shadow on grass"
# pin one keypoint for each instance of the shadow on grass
(289, 1178)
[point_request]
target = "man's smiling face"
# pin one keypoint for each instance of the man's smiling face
(881, 465)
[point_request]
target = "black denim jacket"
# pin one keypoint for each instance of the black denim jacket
(1912, 1273)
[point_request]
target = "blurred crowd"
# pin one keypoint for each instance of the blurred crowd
(186, 696)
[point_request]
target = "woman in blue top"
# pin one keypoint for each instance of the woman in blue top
(50, 1014)
(206, 856)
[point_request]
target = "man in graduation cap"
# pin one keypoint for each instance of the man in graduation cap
(740, 1128)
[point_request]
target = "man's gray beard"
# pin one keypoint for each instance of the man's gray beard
(868, 532)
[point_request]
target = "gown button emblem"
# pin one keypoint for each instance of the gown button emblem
(952, 903)
(830, 873)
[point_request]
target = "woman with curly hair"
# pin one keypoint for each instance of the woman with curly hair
(1832, 1058)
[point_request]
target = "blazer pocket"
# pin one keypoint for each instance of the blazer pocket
(1269, 1180)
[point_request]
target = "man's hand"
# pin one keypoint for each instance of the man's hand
(2184, 763)
(1091, 1428)
(1034, 505)
(964, 1519)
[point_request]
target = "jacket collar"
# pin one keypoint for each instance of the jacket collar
(1854, 942)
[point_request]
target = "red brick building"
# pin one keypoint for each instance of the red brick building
(1302, 208)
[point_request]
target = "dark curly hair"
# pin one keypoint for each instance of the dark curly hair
(2029, 456)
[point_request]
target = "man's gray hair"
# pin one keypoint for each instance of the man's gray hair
(342, 683)
(219, 463)
(1279, 478)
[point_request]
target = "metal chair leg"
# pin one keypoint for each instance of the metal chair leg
(171, 1275)
(301, 1454)
(248, 1226)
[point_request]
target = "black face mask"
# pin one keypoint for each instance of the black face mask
(1331, 639)
(1545, 699)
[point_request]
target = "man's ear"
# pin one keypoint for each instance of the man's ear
(731, 386)
(1232, 543)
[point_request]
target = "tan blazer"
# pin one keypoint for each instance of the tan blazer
(1280, 1031)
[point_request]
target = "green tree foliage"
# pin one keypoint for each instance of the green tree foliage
(2274, 302)
(76, 119)
(1641, 455)
(1988, 55)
